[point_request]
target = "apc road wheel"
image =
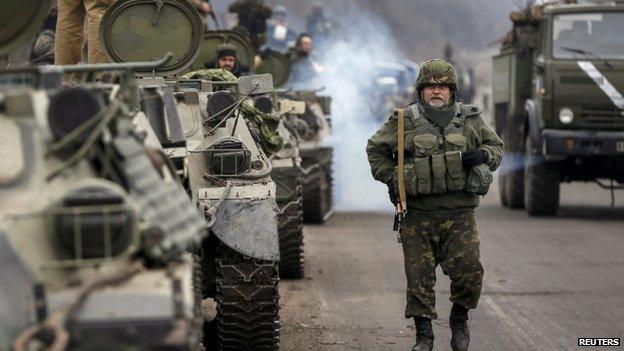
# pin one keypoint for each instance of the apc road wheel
(291, 265)
(542, 184)
(317, 197)
(198, 312)
(247, 303)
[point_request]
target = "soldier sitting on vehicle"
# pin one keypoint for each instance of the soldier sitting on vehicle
(449, 153)
(304, 68)
(227, 59)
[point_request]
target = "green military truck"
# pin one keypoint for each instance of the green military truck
(558, 105)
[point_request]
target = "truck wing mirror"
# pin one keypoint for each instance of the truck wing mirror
(255, 85)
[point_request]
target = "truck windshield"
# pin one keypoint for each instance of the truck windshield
(590, 35)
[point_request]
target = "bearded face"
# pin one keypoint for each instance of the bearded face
(436, 95)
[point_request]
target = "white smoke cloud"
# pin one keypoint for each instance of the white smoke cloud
(363, 39)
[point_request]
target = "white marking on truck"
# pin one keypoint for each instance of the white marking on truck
(603, 83)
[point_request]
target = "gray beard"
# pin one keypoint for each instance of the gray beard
(436, 103)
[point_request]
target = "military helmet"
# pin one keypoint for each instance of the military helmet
(226, 49)
(436, 71)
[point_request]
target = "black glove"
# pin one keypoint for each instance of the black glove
(474, 157)
(392, 194)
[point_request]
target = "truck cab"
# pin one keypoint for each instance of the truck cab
(558, 83)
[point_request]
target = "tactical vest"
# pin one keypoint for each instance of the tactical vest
(435, 165)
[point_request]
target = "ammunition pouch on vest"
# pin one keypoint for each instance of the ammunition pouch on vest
(436, 166)
(479, 180)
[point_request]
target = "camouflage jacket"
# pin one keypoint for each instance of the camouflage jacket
(382, 151)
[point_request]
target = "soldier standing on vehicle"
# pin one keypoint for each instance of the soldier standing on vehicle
(253, 16)
(70, 31)
(71, 25)
(227, 59)
(449, 153)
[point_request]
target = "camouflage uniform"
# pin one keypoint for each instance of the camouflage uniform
(70, 34)
(440, 226)
(448, 238)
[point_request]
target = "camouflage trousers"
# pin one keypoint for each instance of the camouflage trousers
(74, 16)
(448, 238)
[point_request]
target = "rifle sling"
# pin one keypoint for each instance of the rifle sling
(401, 155)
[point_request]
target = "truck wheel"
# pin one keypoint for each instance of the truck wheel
(247, 302)
(291, 265)
(542, 181)
(515, 183)
(502, 189)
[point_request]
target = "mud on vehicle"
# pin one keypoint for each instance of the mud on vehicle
(558, 84)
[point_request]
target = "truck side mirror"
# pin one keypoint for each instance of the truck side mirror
(540, 64)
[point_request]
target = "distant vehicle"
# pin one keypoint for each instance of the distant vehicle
(391, 87)
(557, 96)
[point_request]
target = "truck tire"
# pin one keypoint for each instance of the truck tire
(291, 265)
(502, 189)
(542, 183)
(247, 302)
(515, 187)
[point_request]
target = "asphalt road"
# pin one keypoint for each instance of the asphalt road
(548, 281)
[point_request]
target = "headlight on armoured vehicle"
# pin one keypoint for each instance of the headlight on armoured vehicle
(229, 157)
(93, 222)
(220, 105)
(566, 116)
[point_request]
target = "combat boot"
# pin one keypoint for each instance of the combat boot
(460, 331)
(424, 335)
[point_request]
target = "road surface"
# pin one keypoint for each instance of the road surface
(548, 281)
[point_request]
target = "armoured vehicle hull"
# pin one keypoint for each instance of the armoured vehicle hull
(225, 171)
(79, 231)
(313, 127)
(558, 104)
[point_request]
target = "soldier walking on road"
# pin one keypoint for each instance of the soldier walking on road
(436, 156)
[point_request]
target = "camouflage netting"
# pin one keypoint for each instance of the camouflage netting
(264, 124)
(211, 74)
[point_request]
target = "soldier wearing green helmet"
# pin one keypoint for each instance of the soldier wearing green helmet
(437, 157)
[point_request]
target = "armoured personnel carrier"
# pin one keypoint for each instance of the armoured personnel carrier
(287, 172)
(221, 156)
(313, 126)
(558, 105)
(94, 226)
